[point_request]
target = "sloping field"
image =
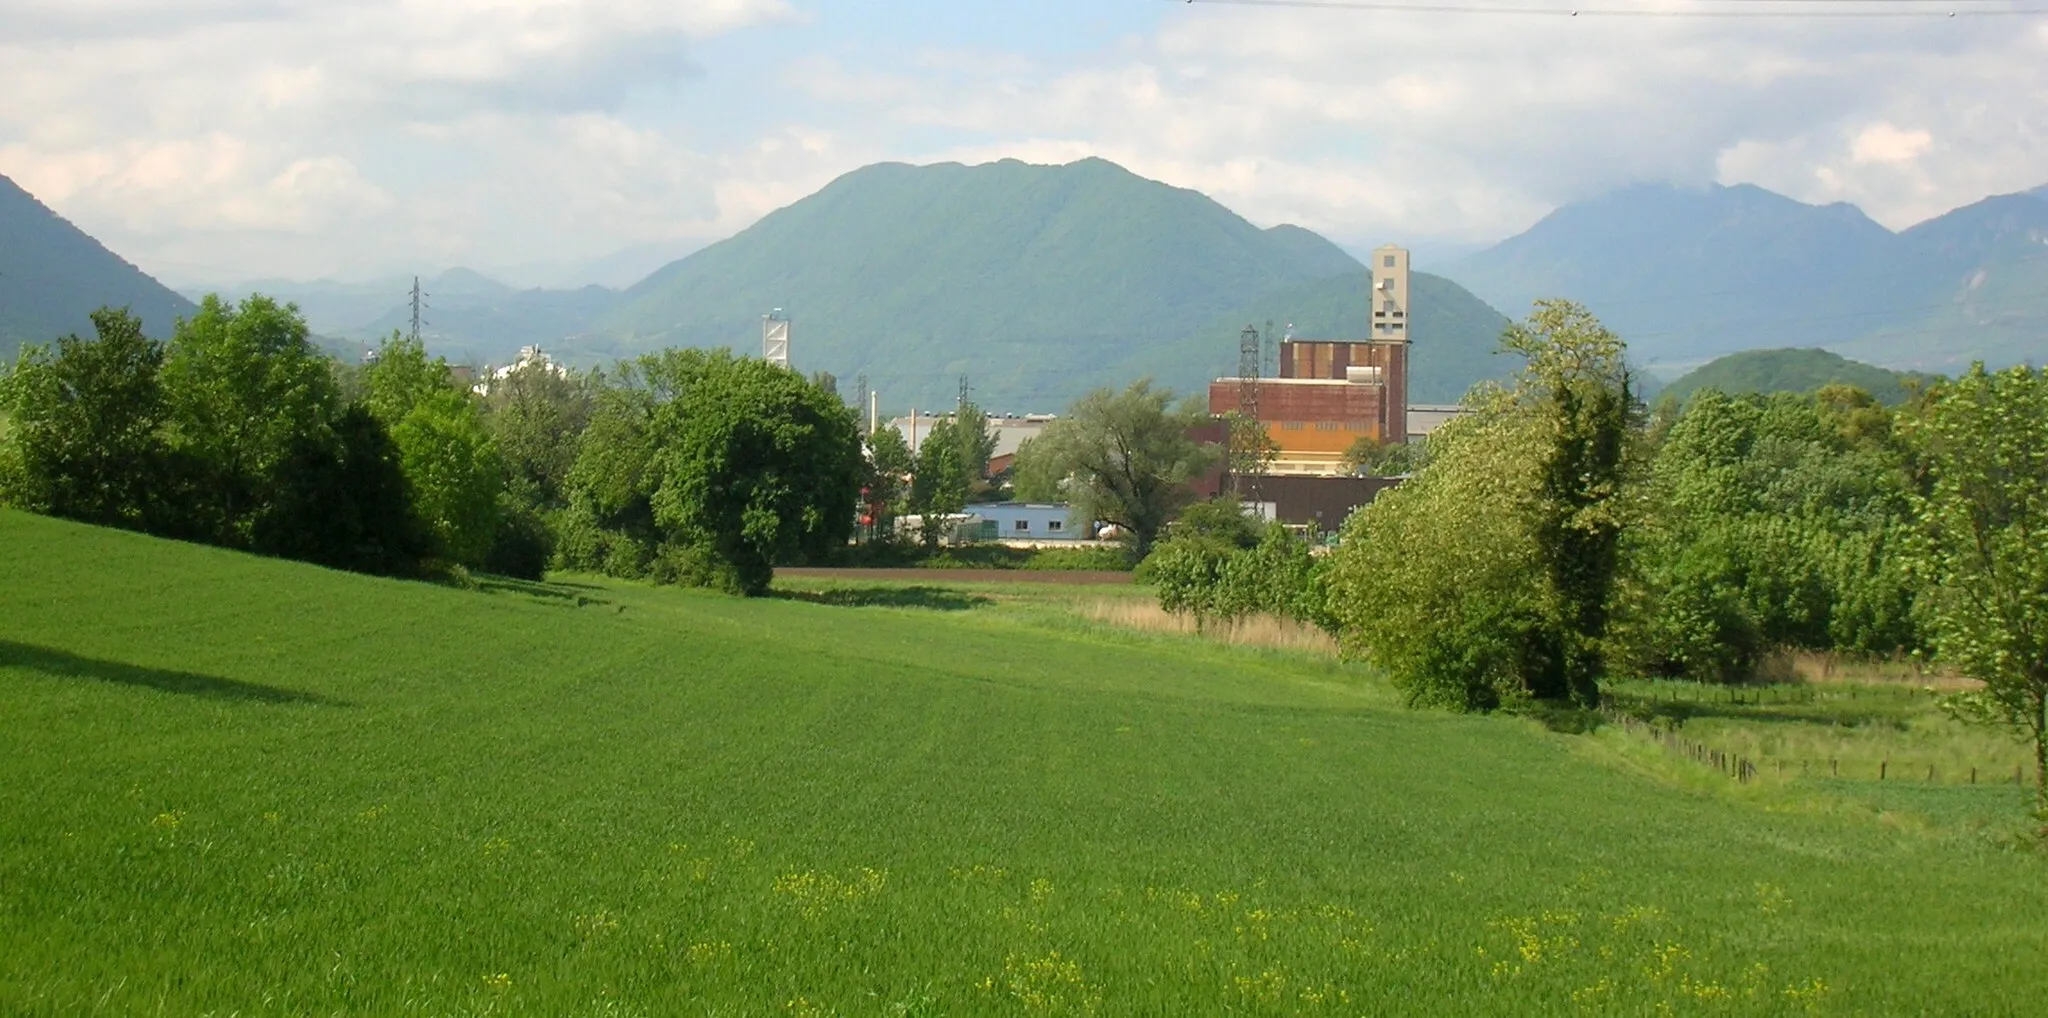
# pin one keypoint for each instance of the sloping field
(237, 786)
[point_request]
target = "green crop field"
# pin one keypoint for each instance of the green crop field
(233, 786)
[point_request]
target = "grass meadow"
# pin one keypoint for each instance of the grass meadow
(233, 786)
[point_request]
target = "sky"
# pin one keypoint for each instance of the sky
(562, 141)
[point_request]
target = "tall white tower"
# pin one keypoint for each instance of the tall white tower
(1389, 293)
(775, 338)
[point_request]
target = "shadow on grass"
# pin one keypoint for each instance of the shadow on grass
(933, 598)
(1787, 714)
(213, 687)
(564, 594)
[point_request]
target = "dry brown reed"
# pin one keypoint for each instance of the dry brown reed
(1250, 631)
(1788, 666)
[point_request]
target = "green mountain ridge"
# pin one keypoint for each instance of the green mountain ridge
(53, 276)
(1790, 370)
(1036, 282)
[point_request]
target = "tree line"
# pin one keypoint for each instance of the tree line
(686, 466)
(1563, 532)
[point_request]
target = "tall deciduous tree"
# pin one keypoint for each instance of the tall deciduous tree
(1487, 577)
(245, 392)
(1985, 519)
(764, 466)
(1122, 457)
(449, 457)
(85, 425)
(939, 480)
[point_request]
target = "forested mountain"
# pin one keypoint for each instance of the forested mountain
(1689, 273)
(1790, 370)
(52, 276)
(1036, 282)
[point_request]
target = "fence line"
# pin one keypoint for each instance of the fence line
(1744, 770)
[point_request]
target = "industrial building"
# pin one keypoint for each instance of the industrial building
(1333, 392)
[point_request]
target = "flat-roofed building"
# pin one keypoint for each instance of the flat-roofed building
(1332, 393)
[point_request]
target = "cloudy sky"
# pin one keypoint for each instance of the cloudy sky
(222, 140)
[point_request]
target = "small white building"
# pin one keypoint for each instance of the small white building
(1027, 521)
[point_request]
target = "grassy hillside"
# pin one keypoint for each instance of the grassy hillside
(1788, 371)
(53, 276)
(231, 785)
(1038, 282)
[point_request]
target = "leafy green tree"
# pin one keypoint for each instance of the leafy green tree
(1124, 458)
(1985, 550)
(448, 455)
(85, 426)
(1487, 578)
(1369, 457)
(764, 466)
(938, 486)
(1188, 576)
(347, 503)
(535, 415)
(889, 462)
(977, 447)
(1221, 520)
(1769, 521)
(246, 393)
(455, 473)
(1577, 392)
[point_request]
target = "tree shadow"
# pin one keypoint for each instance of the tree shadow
(1786, 714)
(50, 661)
(561, 594)
(933, 598)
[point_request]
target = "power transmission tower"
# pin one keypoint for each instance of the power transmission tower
(860, 402)
(418, 305)
(960, 406)
(1249, 452)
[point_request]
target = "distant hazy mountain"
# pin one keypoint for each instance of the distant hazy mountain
(53, 276)
(1037, 282)
(1684, 274)
(1986, 296)
(467, 316)
(1789, 371)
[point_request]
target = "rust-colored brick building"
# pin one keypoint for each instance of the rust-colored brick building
(1331, 393)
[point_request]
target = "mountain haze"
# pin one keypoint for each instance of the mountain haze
(1037, 282)
(1686, 274)
(53, 276)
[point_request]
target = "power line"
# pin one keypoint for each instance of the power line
(1896, 9)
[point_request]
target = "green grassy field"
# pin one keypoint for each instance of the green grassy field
(233, 786)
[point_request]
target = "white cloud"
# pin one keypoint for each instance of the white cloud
(218, 138)
(234, 137)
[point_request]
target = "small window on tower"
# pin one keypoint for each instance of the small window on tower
(1387, 262)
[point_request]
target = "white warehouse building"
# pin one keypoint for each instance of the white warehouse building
(1026, 521)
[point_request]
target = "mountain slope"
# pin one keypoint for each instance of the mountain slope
(1037, 282)
(53, 276)
(1683, 273)
(1789, 370)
